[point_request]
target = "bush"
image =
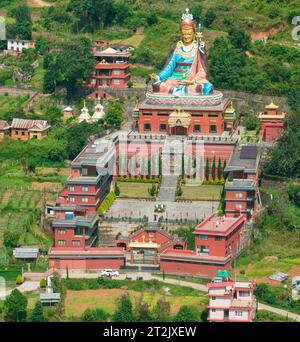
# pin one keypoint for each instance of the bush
(94, 315)
(19, 280)
(43, 283)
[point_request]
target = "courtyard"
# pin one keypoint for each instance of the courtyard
(135, 209)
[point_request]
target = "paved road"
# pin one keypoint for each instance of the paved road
(279, 311)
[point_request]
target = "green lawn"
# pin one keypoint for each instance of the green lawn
(134, 190)
(201, 193)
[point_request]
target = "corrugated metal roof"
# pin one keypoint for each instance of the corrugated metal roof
(30, 124)
(50, 297)
(26, 252)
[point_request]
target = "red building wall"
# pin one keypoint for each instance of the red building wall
(205, 121)
(68, 237)
(95, 264)
(189, 268)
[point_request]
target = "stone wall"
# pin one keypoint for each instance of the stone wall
(244, 102)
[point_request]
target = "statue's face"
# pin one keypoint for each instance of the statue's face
(187, 35)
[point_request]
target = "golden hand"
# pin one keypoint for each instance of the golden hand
(154, 77)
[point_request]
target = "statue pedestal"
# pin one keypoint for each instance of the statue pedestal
(183, 115)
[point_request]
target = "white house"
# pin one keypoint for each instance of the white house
(18, 45)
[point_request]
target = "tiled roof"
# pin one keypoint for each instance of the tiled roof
(39, 125)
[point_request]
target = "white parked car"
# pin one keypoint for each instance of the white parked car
(110, 273)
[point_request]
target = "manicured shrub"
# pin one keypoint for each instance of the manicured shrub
(43, 283)
(19, 280)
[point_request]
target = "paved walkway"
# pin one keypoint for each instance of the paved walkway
(27, 286)
(167, 191)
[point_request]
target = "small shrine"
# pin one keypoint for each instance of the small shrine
(99, 112)
(84, 116)
(271, 123)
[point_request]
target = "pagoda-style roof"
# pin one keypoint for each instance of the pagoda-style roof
(272, 105)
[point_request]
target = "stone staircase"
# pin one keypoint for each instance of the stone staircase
(167, 191)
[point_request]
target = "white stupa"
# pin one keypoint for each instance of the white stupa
(98, 113)
(84, 116)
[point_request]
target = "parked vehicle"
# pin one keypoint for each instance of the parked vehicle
(110, 273)
(128, 277)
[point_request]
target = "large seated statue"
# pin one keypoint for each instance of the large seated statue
(186, 70)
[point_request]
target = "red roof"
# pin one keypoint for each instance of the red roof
(219, 225)
(4, 125)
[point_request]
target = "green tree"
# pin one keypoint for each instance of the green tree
(88, 15)
(69, 67)
(239, 39)
(12, 238)
(19, 280)
(123, 312)
(15, 307)
(220, 171)
(251, 122)
(223, 170)
(226, 72)
(162, 311)
(213, 168)
(207, 171)
(209, 18)
(94, 315)
(22, 29)
(142, 311)
(187, 314)
(117, 189)
(152, 190)
(38, 313)
(114, 114)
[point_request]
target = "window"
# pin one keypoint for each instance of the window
(202, 249)
(163, 114)
(61, 232)
(147, 114)
(203, 237)
(23, 133)
(197, 115)
(212, 129)
(84, 199)
(61, 242)
(72, 188)
(17, 132)
(213, 298)
(239, 313)
(147, 127)
(72, 199)
(85, 188)
(218, 238)
(78, 231)
(75, 243)
(117, 72)
(162, 127)
(84, 171)
(197, 128)
(244, 293)
(212, 115)
(117, 82)
(213, 310)
(238, 195)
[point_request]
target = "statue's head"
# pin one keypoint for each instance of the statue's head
(187, 27)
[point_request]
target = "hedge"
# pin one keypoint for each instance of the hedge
(105, 205)
(214, 182)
